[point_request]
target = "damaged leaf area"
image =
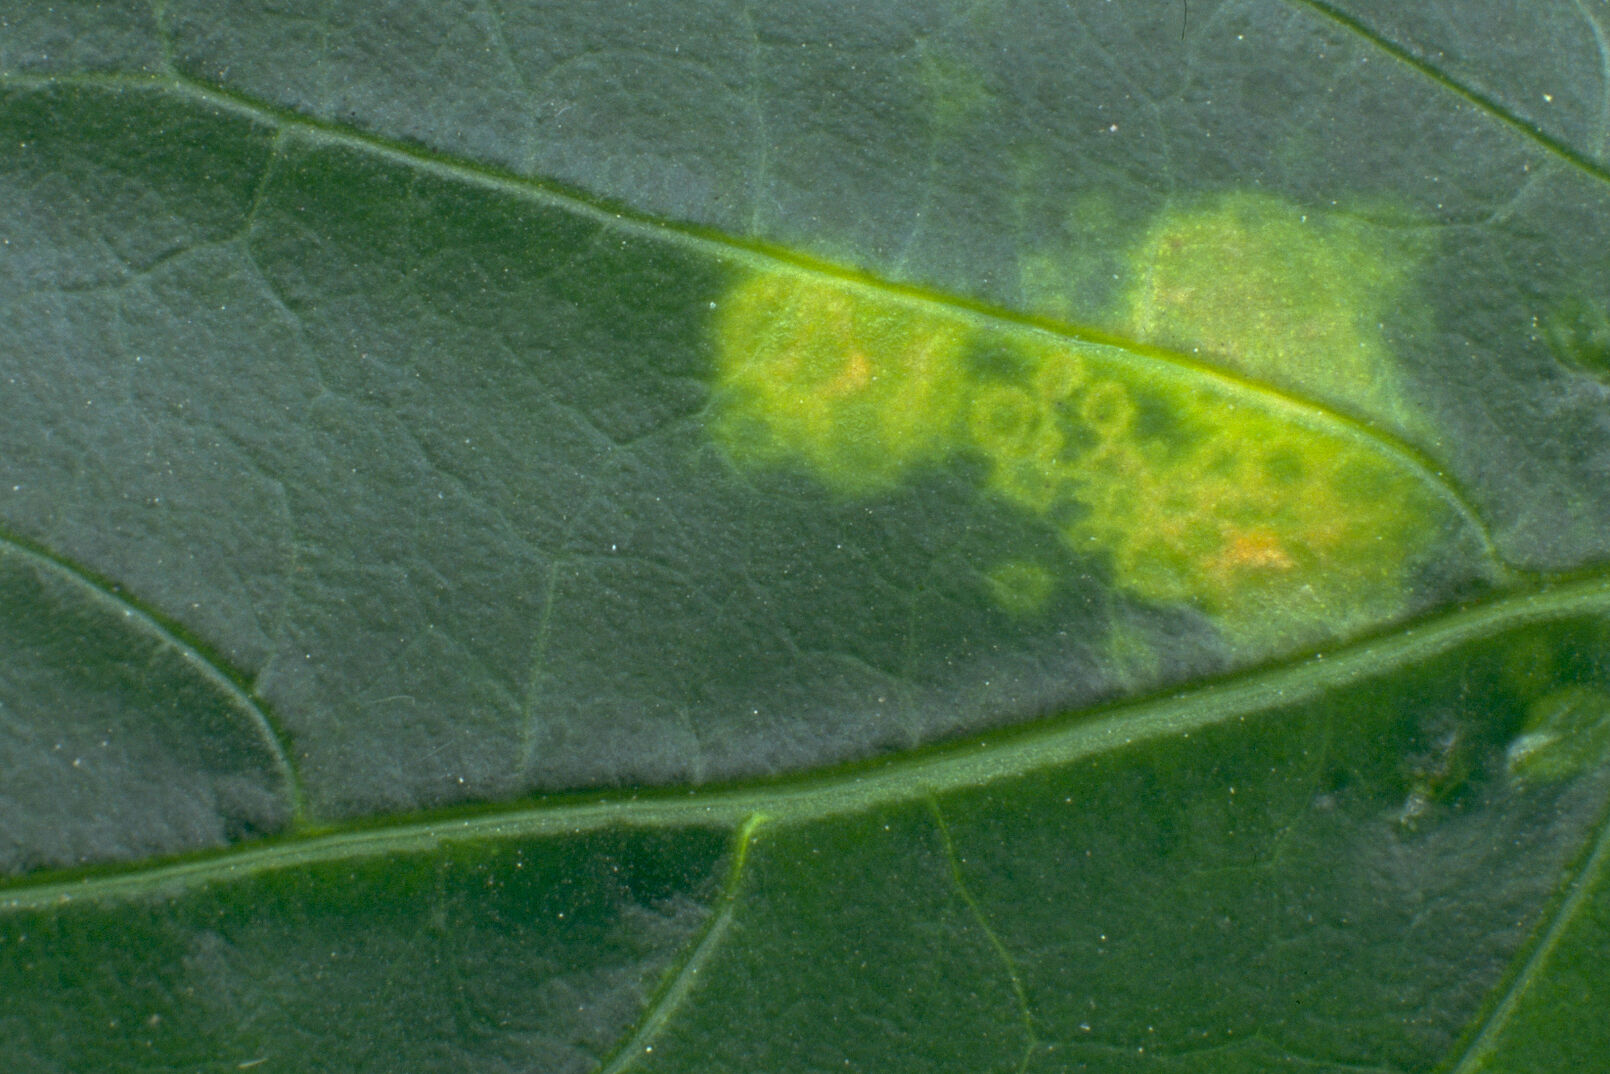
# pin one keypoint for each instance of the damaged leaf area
(916, 537)
(1278, 519)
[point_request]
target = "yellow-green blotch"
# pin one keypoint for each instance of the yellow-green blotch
(1204, 493)
(855, 386)
(1020, 586)
(1578, 331)
(1293, 298)
(1281, 524)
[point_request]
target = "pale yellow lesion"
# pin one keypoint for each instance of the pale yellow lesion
(856, 387)
(1278, 523)
(1292, 298)
(1218, 501)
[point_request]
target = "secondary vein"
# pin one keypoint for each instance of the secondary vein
(1483, 1044)
(206, 667)
(679, 983)
(1490, 105)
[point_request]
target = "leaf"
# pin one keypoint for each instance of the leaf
(925, 537)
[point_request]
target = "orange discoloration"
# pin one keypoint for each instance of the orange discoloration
(1259, 550)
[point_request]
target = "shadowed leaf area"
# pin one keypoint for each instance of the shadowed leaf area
(720, 537)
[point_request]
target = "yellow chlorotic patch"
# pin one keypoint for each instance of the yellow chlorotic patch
(1130, 658)
(1202, 494)
(857, 387)
(1291, 298)
(1281, 525)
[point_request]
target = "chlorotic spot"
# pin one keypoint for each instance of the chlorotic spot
(1278, 523)
(856, 387)
(1578, 331)
(1292, 298)
(1019, 586)
(1203, 494)
(955, 89)
(1129, 657)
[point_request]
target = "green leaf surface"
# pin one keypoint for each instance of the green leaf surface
(804, 537)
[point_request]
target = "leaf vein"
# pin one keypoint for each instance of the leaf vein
(1483, 1042)
(1486, 103)
(851, 788)
(1031, 1037)
(759, 253)
(210, 668)
(678, 983)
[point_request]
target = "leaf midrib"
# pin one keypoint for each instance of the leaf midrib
(853, 788)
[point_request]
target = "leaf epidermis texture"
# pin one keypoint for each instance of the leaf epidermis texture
(829, 576)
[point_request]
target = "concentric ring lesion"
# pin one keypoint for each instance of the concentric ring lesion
(1280, 522)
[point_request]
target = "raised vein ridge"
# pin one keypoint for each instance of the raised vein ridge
(208, 667)
(853, 788)
(1484, 1041)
